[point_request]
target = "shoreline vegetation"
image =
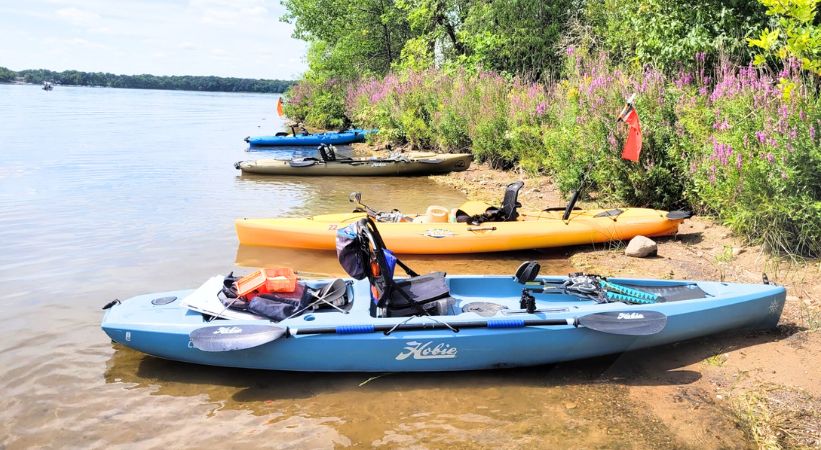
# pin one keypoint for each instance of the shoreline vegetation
(728, 94)
(729, 103)
(146, 81)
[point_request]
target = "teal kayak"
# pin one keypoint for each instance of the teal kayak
(327, 340)
(331, 138)
(433, 322)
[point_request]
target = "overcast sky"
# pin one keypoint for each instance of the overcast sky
(233, 38)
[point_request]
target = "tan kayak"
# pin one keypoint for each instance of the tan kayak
(419, 164)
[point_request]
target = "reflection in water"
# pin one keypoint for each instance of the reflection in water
(324, 263)
(325, 195)
(542, 406)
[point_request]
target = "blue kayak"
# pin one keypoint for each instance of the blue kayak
(327, 340)
(331, 138)
(378, 323)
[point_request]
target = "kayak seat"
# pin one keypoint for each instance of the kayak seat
(416, 295)
(411, 294)
(510, 202)
(508, 212)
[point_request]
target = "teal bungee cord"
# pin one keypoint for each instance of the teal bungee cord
(627, 298)
(644, 297)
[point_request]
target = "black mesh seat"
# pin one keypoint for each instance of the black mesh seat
(416, 295)
(507, 212)
(422, 290)
(510, 202)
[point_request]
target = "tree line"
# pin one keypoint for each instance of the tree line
(145, 81)
(349, 38)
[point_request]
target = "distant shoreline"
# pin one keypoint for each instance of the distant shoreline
(145, 81)
(57, 85)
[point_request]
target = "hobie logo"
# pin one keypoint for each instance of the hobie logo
(427, 350)
(228, 330)
(438, 233)
(630, 316)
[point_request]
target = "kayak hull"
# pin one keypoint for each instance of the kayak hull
(163, 330)
(340, 138)
(438, 164)
(535, 230)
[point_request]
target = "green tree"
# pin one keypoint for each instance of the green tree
(518, 37)
(6, 75)
(795, 34)
(435, 27)
(366, 35)
(668, 34)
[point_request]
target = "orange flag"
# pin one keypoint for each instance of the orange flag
(632, 146)
(279, 107)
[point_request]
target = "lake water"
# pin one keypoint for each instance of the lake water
(108, 193)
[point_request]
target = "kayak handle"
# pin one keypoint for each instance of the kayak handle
(482, 229)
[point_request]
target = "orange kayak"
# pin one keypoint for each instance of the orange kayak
(427, 235)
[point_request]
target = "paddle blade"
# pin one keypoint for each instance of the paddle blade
(633, 323)
(675, 215)
(234, 337)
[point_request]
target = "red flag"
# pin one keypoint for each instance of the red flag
(632, 146)
(279, 107)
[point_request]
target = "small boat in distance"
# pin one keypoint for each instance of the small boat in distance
(47, 86)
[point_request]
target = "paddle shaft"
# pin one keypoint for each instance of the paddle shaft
(222, 338)
(497, 323)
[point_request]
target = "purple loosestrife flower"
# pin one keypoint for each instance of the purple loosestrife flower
(762, 138)
(570, 50)
(738, 161)
(812, 132)
(684, 79)
(770, 158)
(721, 126)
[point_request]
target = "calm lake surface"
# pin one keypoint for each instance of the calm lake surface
(109, 193)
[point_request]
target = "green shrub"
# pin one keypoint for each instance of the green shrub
(758, 163)
(738, 143)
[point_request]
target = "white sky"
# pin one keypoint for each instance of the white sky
(232, 38)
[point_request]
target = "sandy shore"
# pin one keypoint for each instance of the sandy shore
(728, 391)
